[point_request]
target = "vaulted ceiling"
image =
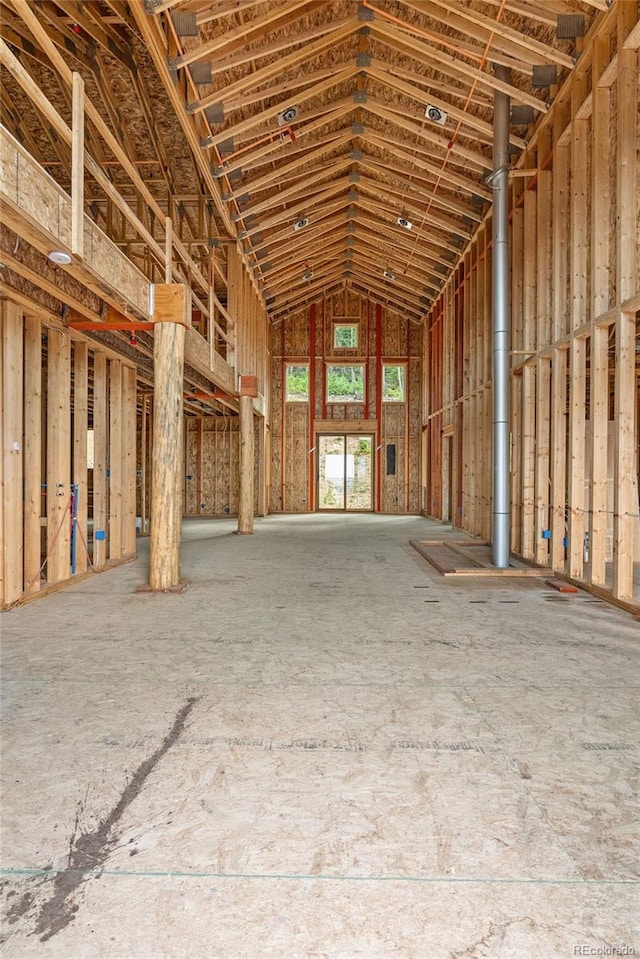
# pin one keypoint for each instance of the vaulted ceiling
(342, 142)
(351, 141)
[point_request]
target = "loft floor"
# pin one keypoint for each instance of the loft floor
(321, 749)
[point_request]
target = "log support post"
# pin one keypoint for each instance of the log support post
(167, 466)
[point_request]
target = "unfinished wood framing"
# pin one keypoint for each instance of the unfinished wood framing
(267, 230)
(12, 451)
(575, 258)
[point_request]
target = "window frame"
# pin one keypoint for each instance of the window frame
(341, 325)
(339, 365)
(298, 366)
(395, 365)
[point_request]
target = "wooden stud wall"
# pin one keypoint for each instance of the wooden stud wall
(57, 386)
(575, 302)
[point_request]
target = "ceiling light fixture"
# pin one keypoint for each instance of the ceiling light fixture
(287, 116)
(436, 115)
(60, 257)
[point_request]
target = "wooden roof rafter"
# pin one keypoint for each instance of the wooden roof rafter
(336, 34)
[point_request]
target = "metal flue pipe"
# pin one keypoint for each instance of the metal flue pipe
(500, 327)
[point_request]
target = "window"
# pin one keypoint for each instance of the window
(297, 383)
(345, 384)
(393, 383)
(345, 337)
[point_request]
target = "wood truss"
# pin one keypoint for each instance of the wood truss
(340, 143)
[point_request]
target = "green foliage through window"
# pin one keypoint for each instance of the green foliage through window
(393, 384)
(345, 384)
(345, 337)
(297, 378)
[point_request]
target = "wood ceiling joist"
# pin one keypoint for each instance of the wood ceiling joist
(290, 152)
(295, 270)
(279, 89)
(381, 202)
(100, 31)
(297, 276)
(401, 203)
(267, 51)
(294, 307)
(490, 83)
(421, 278)
(314, 287)
(328, 230)
(482, 98)
(329, 269)
(392, 299)
(517, 57)
(420, 271)
(274, 242)
(421, 132)
(273, 19)
(423, 189)
(418, 153)
(339, 32)
(299, 193)
(83, 51)
(287, 169)
(223, 8)
(448, 178)
(482, 132)
(263, 153)
(493, 28)
(303, 207)
(398, 240)
(271, 113)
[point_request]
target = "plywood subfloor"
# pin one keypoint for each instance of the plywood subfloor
(463, 558)
(321, 750)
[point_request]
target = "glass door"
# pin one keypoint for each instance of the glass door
(345, 472)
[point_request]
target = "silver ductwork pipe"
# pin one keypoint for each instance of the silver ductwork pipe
(500, 327)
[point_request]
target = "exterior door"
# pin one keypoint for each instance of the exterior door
(345, 472)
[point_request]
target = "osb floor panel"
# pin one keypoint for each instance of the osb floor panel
(321, 749)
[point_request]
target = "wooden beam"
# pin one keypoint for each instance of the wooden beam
(80, 426)
(100, 454)
(58, 455)
(627, 177)
(128, 460)
(599, 410)
(543, 440)
(577, 392)
(491, 27)
(12, 366)
(246, 476)
(33, 489)
(600, 186)
(167, 466)
(115, 459)
(559, 458)
(77, 167)
(579, 208)
(257, 28)
(625, 511)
